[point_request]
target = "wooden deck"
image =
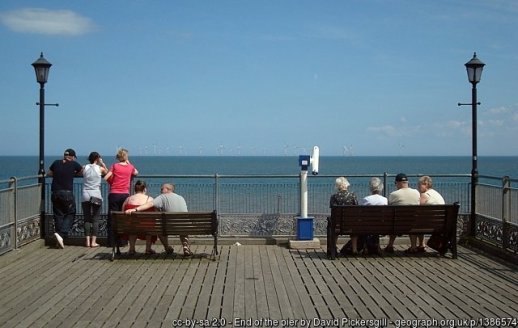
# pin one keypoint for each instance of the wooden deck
(269, 284)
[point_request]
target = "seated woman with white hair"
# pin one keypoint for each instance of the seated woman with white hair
(344, 197)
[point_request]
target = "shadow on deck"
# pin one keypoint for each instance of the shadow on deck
(251, 285)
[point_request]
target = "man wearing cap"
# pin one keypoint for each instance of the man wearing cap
(63, 172)
(404, 195)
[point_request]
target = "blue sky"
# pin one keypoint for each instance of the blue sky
(369, 77)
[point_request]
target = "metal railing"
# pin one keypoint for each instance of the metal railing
(248, 200)
(19, 212)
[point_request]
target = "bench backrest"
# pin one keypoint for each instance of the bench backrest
(166, 223)
(394, 219)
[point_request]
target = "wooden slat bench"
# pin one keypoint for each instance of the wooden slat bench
(166, 223)
(393, 220)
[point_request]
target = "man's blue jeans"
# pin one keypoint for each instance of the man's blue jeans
(64, 208)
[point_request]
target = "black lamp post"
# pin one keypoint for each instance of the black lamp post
(474, 68)
(42, 67)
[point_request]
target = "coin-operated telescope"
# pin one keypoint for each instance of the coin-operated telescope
(305, 223)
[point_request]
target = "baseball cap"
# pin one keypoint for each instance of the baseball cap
(401, 177)
(70, 152)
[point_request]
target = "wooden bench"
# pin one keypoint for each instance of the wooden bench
(167, 224)
(393, 220)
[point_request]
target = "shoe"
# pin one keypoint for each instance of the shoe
(132, 252)
(150, 252)
(95, 245)
(411, 250)
(187, 252)
(421, 249)
(59, 240)
(389, 249)
(169, 250)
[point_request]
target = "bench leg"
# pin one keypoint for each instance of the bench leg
(454, 248)
(331, 245)
(214, 249)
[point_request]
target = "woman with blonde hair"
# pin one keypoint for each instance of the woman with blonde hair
(429, 196)
(119, 178)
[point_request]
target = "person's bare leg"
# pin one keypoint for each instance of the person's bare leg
(132, 241)
(167, 248)
(354, 244)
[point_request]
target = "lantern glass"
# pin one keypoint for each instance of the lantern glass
(474, 69)
(41, 68)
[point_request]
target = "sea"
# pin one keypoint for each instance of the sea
(497, 166)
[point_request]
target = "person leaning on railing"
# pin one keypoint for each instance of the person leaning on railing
(91, 196)
(63, 172)
(119, 179)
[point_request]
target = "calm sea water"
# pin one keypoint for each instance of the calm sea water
(22, 166)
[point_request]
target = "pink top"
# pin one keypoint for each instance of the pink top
(121, 179)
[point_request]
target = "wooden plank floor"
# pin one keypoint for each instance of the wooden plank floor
(250, 285)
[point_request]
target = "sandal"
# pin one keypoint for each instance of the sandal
(421, 249)
(95, 245)
(132, 252)
(187, 252)
(150, 252)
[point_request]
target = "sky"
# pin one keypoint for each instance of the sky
(269, 77)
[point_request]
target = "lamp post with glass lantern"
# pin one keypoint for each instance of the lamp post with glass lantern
(42, 67)
(474, 69)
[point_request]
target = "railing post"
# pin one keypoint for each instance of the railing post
(13, 183)
(385, 176)
(506, 210)
(216, 197)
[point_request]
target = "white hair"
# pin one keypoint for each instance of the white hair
(342, 183)
(375, 185)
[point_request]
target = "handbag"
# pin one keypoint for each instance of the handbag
(96, 201)
(438, 242)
